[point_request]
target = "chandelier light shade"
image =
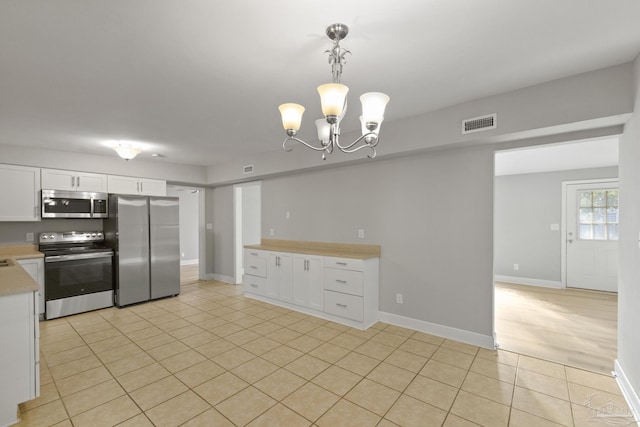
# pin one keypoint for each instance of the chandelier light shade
(126, 151)
(333, 99)
(291, 116)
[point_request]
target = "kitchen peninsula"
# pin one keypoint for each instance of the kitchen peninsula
(333, 281)
(19, 331)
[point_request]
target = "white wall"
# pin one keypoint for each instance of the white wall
(628, 362)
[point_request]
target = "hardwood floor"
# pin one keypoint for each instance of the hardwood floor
(569, 326)
(188, 274)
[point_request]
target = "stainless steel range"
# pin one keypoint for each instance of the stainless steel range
(78, 271)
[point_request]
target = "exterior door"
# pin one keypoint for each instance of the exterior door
(592, 235)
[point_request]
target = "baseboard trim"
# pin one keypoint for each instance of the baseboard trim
(189, 261)
(528, 281)
(628, 392)
(473, 338)
(220, 278)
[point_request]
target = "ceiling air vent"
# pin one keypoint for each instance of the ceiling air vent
(477, 124)
(247, 169)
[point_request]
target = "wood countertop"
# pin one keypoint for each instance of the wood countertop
(339, 250)
(13, 278)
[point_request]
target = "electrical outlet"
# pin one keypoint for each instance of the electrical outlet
(182, 254)
(29, 237)
(272, 232)
(209, 226)
(398, 298)
(516, 267)
(361, 233)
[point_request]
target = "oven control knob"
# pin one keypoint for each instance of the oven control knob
(44, 237)
(51, 236)
(99, 234)
(93, 234)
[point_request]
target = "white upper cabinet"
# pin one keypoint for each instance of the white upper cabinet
(54, 179)
(141, 186)
(20, 193)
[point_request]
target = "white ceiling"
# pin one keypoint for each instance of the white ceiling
(199, 81)
(558, 157)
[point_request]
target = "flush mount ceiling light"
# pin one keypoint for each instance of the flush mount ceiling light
(333, 98)
(127, 151)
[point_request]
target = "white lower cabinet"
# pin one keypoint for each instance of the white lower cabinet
(343, 290)
(20, 367)
(35, 268)
(280, 276)
(308, 288)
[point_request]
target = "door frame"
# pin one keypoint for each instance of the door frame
(563, 226)
(239, 229)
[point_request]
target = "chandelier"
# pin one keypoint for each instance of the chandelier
(333, 99)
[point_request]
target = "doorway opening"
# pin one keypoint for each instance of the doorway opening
(537, 312)
(191, 204)
(247, 221)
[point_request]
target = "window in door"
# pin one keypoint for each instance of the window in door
(598, 214)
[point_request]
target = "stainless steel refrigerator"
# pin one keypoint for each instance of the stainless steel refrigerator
(144, 233)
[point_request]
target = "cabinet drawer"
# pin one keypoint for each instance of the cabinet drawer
(344, 263)
(346, 281)
(255, 264)
(254, 284)
(343, 305)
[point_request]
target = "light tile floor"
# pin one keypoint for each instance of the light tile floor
(212, 357)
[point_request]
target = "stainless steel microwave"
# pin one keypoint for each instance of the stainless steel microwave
(74, 204)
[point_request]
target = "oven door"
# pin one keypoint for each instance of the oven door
(77, 274)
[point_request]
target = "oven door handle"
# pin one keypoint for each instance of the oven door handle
(60, 258)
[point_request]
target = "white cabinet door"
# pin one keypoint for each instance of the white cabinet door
(20, 193)
(139, 186)
(55, 179)
(307, 281)
(91, 182)
(19, 369)
(153, 187)
(35, 268)
(123, 185)
(280, 276)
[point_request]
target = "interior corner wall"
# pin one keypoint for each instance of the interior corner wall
(432, 214)
(525, 207)
(628, 359)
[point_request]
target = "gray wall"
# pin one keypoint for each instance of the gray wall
(14, 233)
(525, 207)
(219, 213)
(431, 214)
(629, 269)
(189, 207)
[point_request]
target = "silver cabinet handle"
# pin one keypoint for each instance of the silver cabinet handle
(253, 285)
(73, 181)
(341, 263)
(253, 266)
(141, 187)
(341, 305)
(344, 282)
(253, 253)
(78, 181)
